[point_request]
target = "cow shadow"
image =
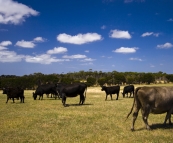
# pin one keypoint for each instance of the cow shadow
(77, 105)
(157, 126)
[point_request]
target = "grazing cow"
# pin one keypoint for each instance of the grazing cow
(156, 100)
(111, 90)
(12, 92)
(73, 90)
(128, 89)
(45, 89)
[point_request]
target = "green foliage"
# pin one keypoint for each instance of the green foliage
(102, 81)
(148, 78)
(31, 81)
(91, 81)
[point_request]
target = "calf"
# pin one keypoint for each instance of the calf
(111, 90)
(128, 89)
(14, 93)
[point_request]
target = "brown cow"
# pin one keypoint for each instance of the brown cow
(156, 100)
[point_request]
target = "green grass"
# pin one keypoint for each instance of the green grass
(94, 122)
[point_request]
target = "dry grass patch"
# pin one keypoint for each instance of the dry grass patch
(95, 121)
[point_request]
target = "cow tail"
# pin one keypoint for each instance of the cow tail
(133, 102)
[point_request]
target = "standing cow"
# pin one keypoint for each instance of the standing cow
(73, 90)
(128, 89)
(111, 90)
(156, 100)
(45, 89)
(14, 92)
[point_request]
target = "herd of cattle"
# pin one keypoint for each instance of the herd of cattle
(156, 100)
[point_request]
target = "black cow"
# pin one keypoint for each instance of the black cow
(128, 89)
(14, 92)
(111, 90)
(73, 90)
(45, 89)
(156, 100)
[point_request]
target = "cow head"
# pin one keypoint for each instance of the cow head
(4, 91)
(103, 88)
(34, 96)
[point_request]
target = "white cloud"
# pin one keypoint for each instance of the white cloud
(43, 59)
(120, 34)
(126, 50)
(135, 59)
(5, 43)
(10, 56)
(78, 56)
(165, 46)
(149, 34)
(79, 39)
(14, 12)
(58, 50)
(88, 60)
(87, 51)
(25, 44)
(39, 39)
(2, 48)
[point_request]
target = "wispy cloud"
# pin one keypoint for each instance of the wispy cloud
(79, 38)
(120, 34)
(103, 27)
(126, 50)
(39, 39)
(150, 34)
(88, 60)
(129, 1)
(152, 66)
(165, 46)
(135, 59)
(14, 12)
(170, 19)
(58, 50)
(29, 44)
(78, 56)
(43, 59)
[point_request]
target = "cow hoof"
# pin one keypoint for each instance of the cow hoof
(132, 129)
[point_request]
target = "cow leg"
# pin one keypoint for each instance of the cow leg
(7, 99)
(106, 97)
(13, 100)
(111, 96)
(145, 112)
(117, 96)
(130, 94)
(135, 115)
(168, 116)
(63, 100)
(82, 99)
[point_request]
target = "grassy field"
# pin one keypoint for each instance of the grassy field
(97, 121)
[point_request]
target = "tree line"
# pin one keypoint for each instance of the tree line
(91, 78)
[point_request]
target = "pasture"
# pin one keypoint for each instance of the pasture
(97, 121)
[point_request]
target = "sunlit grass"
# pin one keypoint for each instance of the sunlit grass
(95, 121)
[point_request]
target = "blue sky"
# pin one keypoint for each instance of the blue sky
(72, 35)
